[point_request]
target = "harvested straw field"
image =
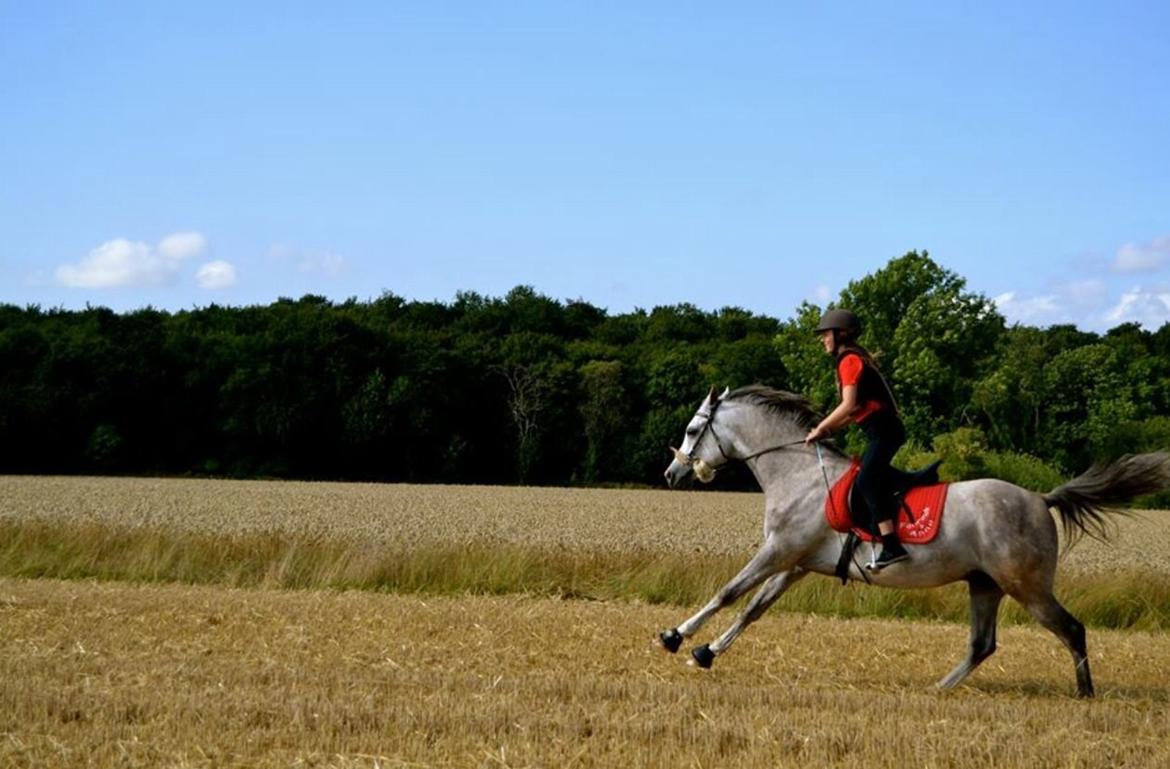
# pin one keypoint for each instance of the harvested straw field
(462, 650)
(147, 676)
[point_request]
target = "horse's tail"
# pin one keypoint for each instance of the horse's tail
(1102, 488)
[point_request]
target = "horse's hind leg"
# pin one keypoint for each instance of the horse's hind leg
(985, 598)
(1049, 613)
(764, 598)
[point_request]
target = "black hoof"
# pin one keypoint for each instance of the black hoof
(670, 640)
(703, 656)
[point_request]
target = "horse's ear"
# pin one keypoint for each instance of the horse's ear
(711, 396)
(726, 391)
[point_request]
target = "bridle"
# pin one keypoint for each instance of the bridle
(704, 471)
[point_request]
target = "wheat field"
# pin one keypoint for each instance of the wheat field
(153, 673)
(406, 515)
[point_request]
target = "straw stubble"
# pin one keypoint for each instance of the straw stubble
(118, 675)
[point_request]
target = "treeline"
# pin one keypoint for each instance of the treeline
(528, 389)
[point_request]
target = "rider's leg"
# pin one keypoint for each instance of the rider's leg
(885, 436)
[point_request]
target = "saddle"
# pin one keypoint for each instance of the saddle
(921, 499)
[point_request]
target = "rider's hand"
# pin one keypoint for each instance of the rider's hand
(813, 435)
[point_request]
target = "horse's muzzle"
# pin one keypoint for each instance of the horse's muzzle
(682, 466)
(675, 473)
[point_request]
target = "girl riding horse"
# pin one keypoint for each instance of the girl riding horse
(866, 401)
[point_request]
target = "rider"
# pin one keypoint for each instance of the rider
(866, 400)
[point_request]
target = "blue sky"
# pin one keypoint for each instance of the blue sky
(629, 154)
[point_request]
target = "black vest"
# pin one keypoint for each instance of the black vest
(872, 386)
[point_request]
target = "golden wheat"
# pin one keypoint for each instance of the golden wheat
(170, 676)
(398, 513)
(405, 516)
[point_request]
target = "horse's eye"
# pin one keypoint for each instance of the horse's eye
(692, 431)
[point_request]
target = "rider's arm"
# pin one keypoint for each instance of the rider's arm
(838, 417)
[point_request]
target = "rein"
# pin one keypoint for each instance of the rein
(785, 446)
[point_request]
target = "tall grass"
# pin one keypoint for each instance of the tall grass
(91, 551)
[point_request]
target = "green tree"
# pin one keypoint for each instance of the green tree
(527, 364)
(679, 323)
(962, 454)
(674, 388)
(807, 369)
(883, 298)
(1086, 398)
(944, 344)
(604, 409)
(487, 389)
(1008, 400)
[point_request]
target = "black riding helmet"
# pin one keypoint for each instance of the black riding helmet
(841, 321)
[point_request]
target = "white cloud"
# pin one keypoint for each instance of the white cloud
(1143, 257)
(1150, 308)
(1080, 302)
(117, 262)
(1032, 310)
(1088, 295)
(1096, 301)
(325, 263)
(121, 262)
(182, 245)
(217, 274)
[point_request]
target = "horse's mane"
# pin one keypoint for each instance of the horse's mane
(786, 404)
(781, 402)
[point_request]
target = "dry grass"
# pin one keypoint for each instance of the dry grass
(93, 551)
(150, 676)
(409, 516)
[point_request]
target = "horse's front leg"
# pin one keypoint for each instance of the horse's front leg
(761, 601)
(760, 567)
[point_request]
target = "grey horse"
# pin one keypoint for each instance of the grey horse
(999, 538)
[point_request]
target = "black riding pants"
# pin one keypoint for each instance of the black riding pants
(885, 435)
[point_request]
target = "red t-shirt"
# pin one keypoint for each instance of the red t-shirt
(849, 370)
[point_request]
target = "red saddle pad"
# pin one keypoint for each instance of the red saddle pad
(918, 527)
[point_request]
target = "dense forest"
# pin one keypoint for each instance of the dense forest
(527, 389)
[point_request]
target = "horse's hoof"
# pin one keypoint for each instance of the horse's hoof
(670, 640)
(703, 656)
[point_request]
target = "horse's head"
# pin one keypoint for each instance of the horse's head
(745, 424)
(701, 452)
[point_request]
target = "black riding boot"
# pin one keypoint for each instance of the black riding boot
(892, 552)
